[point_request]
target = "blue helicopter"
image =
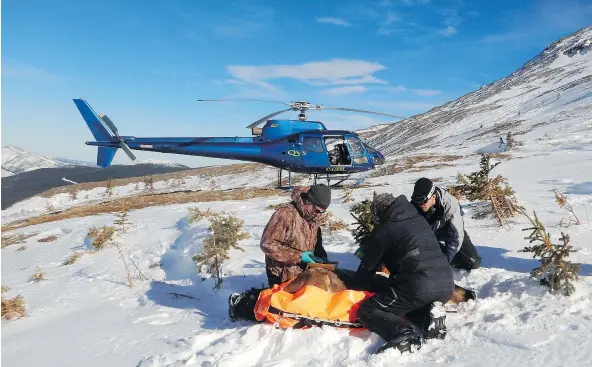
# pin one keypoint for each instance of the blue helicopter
(299, 146)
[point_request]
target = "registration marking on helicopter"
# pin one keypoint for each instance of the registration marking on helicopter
(335, 169)
(146, 146)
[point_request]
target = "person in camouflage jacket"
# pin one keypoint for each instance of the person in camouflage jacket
(293, 234)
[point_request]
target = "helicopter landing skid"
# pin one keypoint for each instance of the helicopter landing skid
(342, 178)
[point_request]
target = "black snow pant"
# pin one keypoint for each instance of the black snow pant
(245, 307)
(467, 257)
(391, 312)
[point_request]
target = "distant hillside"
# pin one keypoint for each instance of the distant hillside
(16, 160)
(548, 99)
(26, 184)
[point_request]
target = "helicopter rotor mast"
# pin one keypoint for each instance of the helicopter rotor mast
(301, 106)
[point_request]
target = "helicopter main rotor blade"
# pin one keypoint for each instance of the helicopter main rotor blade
(242, 100)
(364, 111)
(263, 119)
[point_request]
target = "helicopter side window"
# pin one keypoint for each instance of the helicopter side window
(312, 144)
(355, 145)
(337, 151)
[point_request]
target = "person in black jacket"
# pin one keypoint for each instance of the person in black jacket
(420, 276)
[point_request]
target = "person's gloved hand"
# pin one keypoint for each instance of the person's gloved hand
(306, 257)
(359, 252)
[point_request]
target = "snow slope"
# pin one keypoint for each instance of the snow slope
(84, 314)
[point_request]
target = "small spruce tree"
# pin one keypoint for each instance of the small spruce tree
(347, 191)
(365, 219)
(109, 190)
(149, 183)
(479, 186)
(73, 192)
(509, 141)
(561, 200)
(226, 232)
(122, 219)
(554, 271)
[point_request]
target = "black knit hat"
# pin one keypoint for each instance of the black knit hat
(381, 203)
(319, 195)
(423, 190)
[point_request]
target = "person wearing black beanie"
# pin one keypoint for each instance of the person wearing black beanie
(444, 214)
(292, 238)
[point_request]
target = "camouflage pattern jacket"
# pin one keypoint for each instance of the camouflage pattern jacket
(289, 232)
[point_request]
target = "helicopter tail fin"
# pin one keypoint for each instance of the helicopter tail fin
(105, 156)
(100, 131)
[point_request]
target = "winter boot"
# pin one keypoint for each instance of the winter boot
(408, 342)
(241, 305)
(437, 326)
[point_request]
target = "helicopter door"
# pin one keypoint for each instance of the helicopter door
(358, 153)
(313, 152)
(337, 151)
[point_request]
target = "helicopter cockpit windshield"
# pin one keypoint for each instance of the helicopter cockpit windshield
(378, 157)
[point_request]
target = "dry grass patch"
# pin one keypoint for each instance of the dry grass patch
(101, 236)
(498, 129)
(410, 164)
(72, 258)
(13, 308)
(330, 224)
(15, 238)
(174, 176)
(48, 239)
(38, 276)
(144, 201)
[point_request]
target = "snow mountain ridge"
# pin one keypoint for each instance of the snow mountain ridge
(17, 160)
(549, 98)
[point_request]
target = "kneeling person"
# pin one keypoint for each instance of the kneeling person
(443, 213)
(293, 235)
(420, 276)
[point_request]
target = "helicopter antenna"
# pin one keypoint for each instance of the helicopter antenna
(301, 106)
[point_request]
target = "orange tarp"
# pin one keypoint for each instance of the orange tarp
(309, 301)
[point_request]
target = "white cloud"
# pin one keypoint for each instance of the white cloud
(449, 31)
(426, 92)
(396, 89)
(419, 92)
(391, 17)
(339, 91)
(27, 72)
(334, 72)
(394, 106)
(334, 21)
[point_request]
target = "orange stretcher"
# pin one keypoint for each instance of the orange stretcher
(310, 306)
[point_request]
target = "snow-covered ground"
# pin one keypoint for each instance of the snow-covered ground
(84, 314)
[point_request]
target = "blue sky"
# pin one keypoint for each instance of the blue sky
(145, 63)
